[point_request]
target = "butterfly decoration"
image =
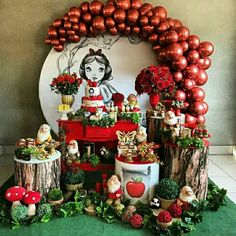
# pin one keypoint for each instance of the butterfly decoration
(126, 138)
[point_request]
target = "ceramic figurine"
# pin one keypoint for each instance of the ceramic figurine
(170, 118)
(43, 134)
(73, 153)
(114, 190)
(141, 136)
(186, 195)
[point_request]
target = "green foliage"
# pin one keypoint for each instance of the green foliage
(93, 159)
(215, 197)
(4, 212)
(132, 116)
(44, 212)
(70, 208)
(19, 213)
(106, 212)
(55, 194)
(70, 177)
(179, 228)
(78, 115)
(167, 189)
(105, 122)
(190, 142)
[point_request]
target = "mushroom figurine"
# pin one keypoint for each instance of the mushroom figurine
(31, 198)
(15, 195)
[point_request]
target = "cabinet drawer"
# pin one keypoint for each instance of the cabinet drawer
(97, 132)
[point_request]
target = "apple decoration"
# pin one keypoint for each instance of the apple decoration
(135, 188)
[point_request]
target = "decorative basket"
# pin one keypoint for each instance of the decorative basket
(74, 187)
(57, 202)
(163, 225)
(165, 203)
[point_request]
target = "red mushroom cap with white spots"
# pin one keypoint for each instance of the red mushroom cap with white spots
(15, 193)
(32, 197)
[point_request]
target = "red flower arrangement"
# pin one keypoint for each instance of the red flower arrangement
(118, 98)
(154, 79)
(66, 84)
(175, 210)
(164, 217)
(136, 221)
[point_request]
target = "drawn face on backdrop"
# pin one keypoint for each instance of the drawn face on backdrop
(95, 71)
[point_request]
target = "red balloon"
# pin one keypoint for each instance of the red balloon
(191, 71)
(74, 11)
(153, 38)
(190, 119)
(201, 119)
(156, 48)
(75, 27)
(161, 55)
(108, 10)
(92, 32)
(184, 45)
(197, 94)
(177, 76)
(67, 25)
(57, 23)
(132, 16)
(177, 24)
(155, 20)
(47, 41)
(70, 32)
(121, 27)
(145, 8)
(87, 17)
(171, 37)
(197, 108)
(186, 104)
(162, 38)
(136, 4)
(99, 24)
(174, 51)
(206, 49)
(202, 78)
(161, 12)
(135, 30)
(65, 17)
(123, 4)
(74, 38)
(119, 15)
(181, 64)
(162, 27)
(62, 40)
(148, 29)
(192, 56)
(82, 29)
(171, 23)
(59, 48)
(55, 42)
(188, 84)
(204, 63)
(193, 41)
(52, 32)
(62, 32)
(205, 107)
(144, 20)
(127, 30)
(180, 95)
(110, 23)
(183, 33)
(84, 6)
(95, 7)
(149, 14)
(113, 31)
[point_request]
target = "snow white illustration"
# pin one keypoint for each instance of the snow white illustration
(96, 67)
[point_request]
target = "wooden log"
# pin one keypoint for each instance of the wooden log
(187, 167)
(38, 175)
(154, 124)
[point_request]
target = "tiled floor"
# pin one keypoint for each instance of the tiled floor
(222, 170)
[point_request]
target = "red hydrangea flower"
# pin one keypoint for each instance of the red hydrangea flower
(118, 97)
(164, 217)
(136, 221)
(175, 210)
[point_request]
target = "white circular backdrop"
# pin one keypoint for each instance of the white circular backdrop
(127, 58)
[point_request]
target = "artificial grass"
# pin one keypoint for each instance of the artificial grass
(219, 223)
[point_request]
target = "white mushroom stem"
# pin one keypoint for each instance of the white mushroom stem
(16, 203)
(31, 210)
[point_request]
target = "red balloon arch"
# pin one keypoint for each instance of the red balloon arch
(184, 53)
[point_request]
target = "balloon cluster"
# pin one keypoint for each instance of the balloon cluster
(187, 57)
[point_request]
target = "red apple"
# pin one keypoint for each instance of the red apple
(135, 188)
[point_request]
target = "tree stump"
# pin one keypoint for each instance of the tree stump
(154, 124)
(38, 175)
(187, 167)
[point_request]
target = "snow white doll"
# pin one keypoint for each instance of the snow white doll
(96, 67)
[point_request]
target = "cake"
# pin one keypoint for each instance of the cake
(92, 99)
